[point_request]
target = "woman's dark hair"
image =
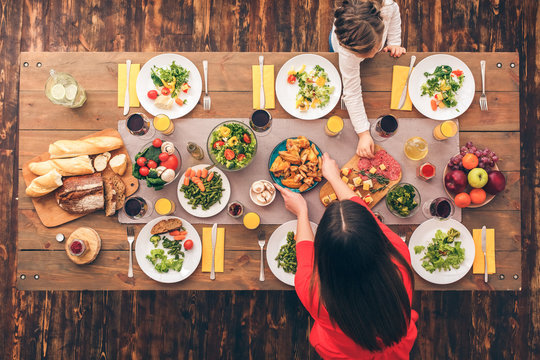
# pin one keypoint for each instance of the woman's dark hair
(360, 285)
(359, 26)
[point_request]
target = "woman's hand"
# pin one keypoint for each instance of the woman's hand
(365, 147)
(330, 168)
(294, 202)
(395, 50)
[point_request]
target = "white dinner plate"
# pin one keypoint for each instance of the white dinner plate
(423, 236)
(464, 95)
(214, 209)
(286, 93)
(276, 241)
(145, 84)
(191, 259)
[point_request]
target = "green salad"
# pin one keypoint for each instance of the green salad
(442, 253)
(442, 85)
(172, 78)
(401, 199)
(286, 258)
(232, 145)
(313, 88)
(172, 260)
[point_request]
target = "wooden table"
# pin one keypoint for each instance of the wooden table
(43, 265)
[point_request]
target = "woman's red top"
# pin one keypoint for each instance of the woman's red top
(329, 341)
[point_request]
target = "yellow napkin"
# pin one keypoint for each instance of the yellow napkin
(269, 96)
(133, 73)
(399, 77)
(478, 264)
(207, 249)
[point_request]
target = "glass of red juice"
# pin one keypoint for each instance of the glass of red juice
(139, 125)
(441, 208)
(261, 122)
(136, 208)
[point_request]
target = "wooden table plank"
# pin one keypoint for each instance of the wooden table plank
(101, 110)
(109, 272)
(232, 71)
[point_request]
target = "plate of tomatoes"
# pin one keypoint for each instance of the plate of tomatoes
(158, 164)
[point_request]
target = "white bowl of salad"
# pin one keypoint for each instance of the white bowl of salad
(232, 145)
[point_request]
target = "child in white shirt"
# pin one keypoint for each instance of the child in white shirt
(361, 29)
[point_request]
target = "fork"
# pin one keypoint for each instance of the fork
(206, 98)
(483, 97)
(130, 237)
(262, 241)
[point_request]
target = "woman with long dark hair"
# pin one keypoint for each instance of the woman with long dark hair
(354, 277)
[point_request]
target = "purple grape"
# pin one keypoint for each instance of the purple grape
(469, 144)
(485, 153)
(473, 149)
(485, 159)
(492, 163)
(481, 165)
(495, 158)
(491, 153)
(463, 153)
(455, 160)
(478, 153)
(456, 167)
(463, 149)
(450, 164)
(460, 157)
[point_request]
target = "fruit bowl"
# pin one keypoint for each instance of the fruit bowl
(452, 194)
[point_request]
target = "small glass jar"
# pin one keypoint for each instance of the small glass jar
(426, 171)
(195, 150)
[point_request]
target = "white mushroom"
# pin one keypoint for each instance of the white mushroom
(261, 198)
(160, 170)
(168, 175)
(258, 187)
(269, 187)
(167, 147)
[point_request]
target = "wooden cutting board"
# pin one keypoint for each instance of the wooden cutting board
(327, 189)
(46, 207)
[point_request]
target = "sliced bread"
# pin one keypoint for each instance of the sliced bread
(110, 197)
(165, 226)
(120, 189)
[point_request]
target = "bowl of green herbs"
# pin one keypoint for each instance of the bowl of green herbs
(403, 200)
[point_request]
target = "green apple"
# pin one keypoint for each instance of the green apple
(477, 178)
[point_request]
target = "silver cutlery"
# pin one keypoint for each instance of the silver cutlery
(485, 254)
(483, 97)
(343, 106)
(262, 240)
(130, 238)
(206, 98)
(214, 239)
(126, 97)
(403, 237)
(261, 98)
(404, 93)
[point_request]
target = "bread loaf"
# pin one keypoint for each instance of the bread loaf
(118, 164)
(80, 165)
(81, 194)
(90, 146)
(44, 184)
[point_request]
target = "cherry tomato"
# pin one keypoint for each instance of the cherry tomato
(218, 144)
(188, 244)
(291, 79)
(144, 171)
(163, 157)
(241, 157)
(141, 161)
(152, 94)
(179, 101)
(165, 91)
(171, 162)
(157, 143)
(247, 139)
(229, 154)
(457, 72)
(152, 164)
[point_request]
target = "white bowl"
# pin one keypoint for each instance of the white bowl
(253, 194)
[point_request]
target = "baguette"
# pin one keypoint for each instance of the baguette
(118, 164)
(44, 184)
(90, 146)
(80, 165)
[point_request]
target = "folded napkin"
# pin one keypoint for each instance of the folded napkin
(207, 249)
(133, 73)
(478, 264)
(399, 77)
(269, 96)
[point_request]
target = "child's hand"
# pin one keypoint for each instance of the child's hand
(365, 146)
(330, 169)
(395, 50)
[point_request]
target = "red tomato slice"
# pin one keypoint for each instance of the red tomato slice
(229, 154)
(241, 157)
(291, 79)
(247, 139)
(218, 144)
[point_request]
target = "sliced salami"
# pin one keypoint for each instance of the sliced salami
(364, 164)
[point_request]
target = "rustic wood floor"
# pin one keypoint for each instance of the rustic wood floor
(254, 325)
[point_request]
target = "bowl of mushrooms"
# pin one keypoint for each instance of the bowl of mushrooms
(262, 192)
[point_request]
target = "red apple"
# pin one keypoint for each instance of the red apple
(496, 182)
(455, 181)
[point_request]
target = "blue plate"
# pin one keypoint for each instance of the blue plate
(282, 146)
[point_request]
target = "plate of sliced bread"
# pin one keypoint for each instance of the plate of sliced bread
(78, 177)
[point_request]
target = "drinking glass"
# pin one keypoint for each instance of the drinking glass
(384, 127)
(416, 148)
(261, 122)
(163, 124)
(441, 208)
(137, 208)
(63, 89)
(139, 125)
(334, 126)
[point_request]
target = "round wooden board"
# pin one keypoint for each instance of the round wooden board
(93, 243)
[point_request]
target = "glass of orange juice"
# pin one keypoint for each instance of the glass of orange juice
(252, 220)
(445, 130)
(416, 148)
(163, 124)
(164, 206)
(334, 126)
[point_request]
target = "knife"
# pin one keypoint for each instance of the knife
(126, 98)
(261, 99)
(214, 238)
(404, 93)
(484, 251)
